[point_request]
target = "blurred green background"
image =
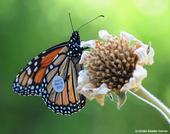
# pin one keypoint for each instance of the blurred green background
(28, 27)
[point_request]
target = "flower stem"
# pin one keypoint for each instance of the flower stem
(147, 97)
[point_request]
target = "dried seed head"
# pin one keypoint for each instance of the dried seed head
(112, 64)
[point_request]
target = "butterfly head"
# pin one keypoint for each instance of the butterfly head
(75, 37)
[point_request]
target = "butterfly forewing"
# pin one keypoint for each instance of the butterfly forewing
(28, 81)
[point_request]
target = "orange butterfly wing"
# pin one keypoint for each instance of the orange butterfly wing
(27, 82)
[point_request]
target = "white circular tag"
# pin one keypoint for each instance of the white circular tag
(58, 84)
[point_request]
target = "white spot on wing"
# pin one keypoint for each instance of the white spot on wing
(35, 69)
(35, 63)
(51, 66)
(29, 71)
(32, 87)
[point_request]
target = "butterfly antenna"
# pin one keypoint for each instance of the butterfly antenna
(71, 22)
(90, 21)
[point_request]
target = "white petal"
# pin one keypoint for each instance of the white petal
(150, 56)
(84, 57)
(127, 36)
(90, 44)
(102, 89)
(138, 75)
(145, 54)
(83, 78)
(104, 35)
(90, 92)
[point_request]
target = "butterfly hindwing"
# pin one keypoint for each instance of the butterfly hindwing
(68, 101)
(27, 82)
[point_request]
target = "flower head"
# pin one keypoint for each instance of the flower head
(113, 65)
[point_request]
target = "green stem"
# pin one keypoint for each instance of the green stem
(147, 97)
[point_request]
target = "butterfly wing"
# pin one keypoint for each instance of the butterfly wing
(27, 82)
(67, 101)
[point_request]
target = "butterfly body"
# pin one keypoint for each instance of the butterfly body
(74, 49)
(53, 76)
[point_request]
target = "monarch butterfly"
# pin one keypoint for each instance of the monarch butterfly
(53, 76)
